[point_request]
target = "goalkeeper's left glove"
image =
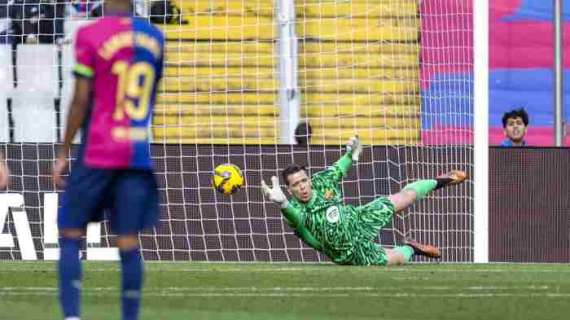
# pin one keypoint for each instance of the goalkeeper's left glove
(355, 147)
(274, 193)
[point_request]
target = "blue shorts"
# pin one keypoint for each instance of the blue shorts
(127, 197)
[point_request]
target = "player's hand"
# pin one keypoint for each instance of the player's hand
(4, 175)
(274, 194)
(355, 147)
(59, 169)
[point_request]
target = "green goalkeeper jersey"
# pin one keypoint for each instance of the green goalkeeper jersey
(342, 232)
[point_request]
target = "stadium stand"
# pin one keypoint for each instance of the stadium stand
(221, 86)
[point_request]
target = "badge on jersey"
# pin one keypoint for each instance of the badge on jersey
(333, 214)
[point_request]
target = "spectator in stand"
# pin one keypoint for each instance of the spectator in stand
(303, 133)
(37, 21)
(84, 8)
(515, 123)
(5, 23)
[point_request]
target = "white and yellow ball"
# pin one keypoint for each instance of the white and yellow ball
(228, 178)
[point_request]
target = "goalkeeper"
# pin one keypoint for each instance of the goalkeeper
(343, 232)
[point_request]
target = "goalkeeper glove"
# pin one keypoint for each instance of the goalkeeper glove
(355, 147)
(275, 194)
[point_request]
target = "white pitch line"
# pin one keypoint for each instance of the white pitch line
(294, 289)
(305, 295)
(307, 269)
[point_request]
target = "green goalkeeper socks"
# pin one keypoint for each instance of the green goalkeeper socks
(422, 187)
(407, 251)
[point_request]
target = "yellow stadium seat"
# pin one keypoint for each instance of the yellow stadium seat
(370, 136)
(373, 98)
(227, 7)
(350, 86)
(220, 132)
(357, 9)
(212, 27)
(217, 110)
(364, 73)
(358, 47)
(176, 139)
(230, 59)
(309, 98)
(372, 60)
(177, 84)
(365, 122)
(216, 98)
(359, 29)
(372, 111)
(216, 122)
(262, 73)
(201, 47)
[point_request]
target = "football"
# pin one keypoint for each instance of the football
(227, 178)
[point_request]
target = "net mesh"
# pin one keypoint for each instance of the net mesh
(394, 72)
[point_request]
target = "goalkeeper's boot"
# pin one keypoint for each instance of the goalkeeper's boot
(451, 178)
(426, 250)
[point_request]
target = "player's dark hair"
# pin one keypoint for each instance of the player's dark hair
(292, 169)
(516, 113)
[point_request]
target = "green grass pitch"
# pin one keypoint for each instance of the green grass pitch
(294, 291)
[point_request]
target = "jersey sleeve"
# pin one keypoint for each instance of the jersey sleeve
(84, 55)
(339, 169)
(308, 238)
(295, 219)
(293, 215)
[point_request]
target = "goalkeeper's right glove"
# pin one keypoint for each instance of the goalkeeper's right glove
(275, 194)
(355, 147)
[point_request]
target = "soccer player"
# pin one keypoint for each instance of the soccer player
(343, 232)
(119, 63)
(4, 173)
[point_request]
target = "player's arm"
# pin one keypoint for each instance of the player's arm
(77, 112)
(340, 168)
(292, 214)
(84, 72)
(308, 238)
(75, 118)
(4, 173)
(294, 219)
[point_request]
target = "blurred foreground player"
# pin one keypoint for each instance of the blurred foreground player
(119, 63)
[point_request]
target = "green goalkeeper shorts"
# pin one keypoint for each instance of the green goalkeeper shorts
(372, 217)
(369, 253)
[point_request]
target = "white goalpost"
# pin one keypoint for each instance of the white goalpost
(481, 130)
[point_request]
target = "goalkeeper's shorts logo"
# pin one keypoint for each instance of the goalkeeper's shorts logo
(333, 214)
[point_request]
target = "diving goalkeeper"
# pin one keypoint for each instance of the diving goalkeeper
(346, 233)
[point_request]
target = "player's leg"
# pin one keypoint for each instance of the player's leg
(399, 255)
(135, 209)
(69, 269)
(131, 275)
(81, 203)
(420, 189)
(403, 254)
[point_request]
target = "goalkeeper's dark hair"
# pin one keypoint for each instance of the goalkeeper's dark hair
(516, 113)
(292, 169)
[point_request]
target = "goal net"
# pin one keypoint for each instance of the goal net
(240, 77)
